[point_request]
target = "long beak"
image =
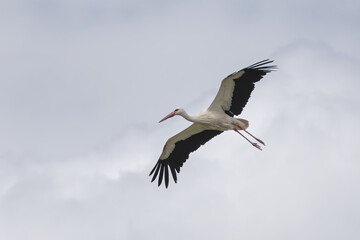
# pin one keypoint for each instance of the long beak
(168, 116)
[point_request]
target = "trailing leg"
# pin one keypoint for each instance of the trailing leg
(257, 139)
(252, 143)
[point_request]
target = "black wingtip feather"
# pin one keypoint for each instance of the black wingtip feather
(260, 66)
(161, 174)
(153, 169)
(263, 62)
(161, 169)
(173, 173)
(166, 176)
(156, 172)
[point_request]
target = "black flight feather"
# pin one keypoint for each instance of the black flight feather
(244, 85)
(180, 154)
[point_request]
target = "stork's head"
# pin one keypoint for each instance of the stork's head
(177, 111)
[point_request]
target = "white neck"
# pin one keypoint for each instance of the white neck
(187, 117)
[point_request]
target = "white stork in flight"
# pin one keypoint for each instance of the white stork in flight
(230, 100)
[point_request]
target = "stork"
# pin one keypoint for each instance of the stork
(230, 100)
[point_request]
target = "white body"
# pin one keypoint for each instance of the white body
(204, 120)
(215, 120)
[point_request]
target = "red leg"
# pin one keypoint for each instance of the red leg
(252, 143)
(257, 139)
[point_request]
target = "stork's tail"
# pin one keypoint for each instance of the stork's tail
(243, 123)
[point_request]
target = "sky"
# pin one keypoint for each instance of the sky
(83, 85)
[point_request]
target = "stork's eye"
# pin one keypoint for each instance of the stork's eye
(176, 110)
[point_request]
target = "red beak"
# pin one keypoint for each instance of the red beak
(168, 116)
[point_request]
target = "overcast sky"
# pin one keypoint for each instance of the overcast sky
(83, 85)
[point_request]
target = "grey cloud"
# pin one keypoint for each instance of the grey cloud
(82, 89)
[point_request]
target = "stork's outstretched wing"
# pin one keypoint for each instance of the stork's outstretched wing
(177, 150)
(235, 89)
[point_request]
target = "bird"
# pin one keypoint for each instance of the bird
(231, 98)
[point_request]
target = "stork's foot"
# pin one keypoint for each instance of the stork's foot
(256, 145)
(260, 141)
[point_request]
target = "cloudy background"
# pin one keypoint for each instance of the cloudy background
(83, 85)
